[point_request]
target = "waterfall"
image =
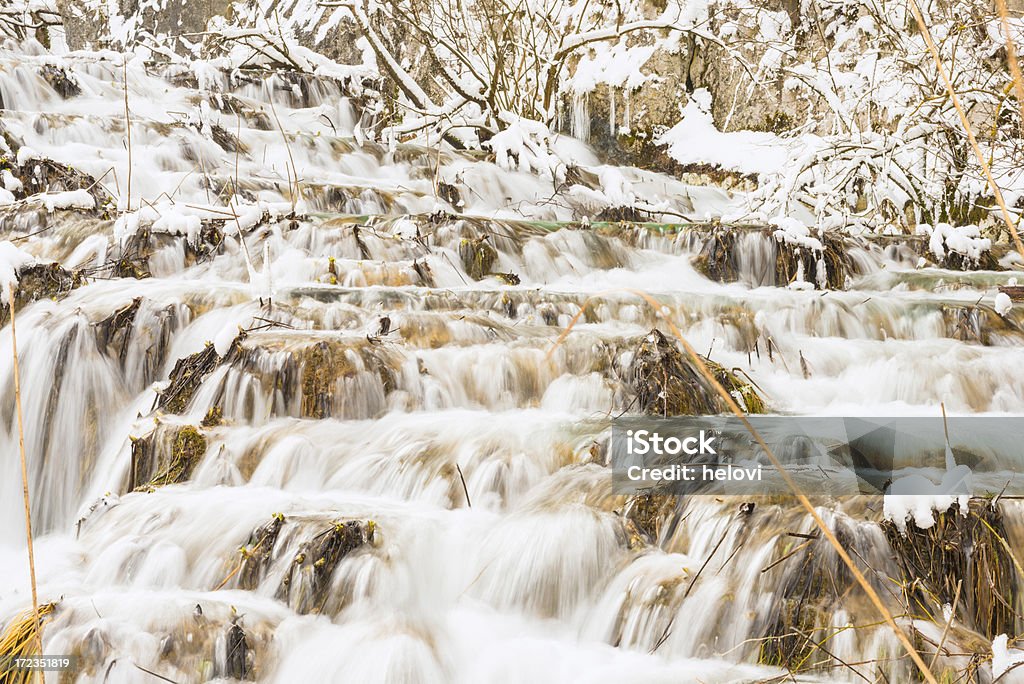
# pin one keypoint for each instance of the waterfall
(384, 468)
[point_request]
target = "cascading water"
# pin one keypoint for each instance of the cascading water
(323, 441)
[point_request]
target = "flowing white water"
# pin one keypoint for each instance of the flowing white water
(541, 578)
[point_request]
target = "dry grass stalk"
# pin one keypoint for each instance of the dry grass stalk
(21, 639)
(1010, 223)
(1011, 54)
(830, 536)
(949, 623)
(128, 132)
(38, 630)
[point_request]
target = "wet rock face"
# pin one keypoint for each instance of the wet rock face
(258, 552)
(478, 256)
(187, 375)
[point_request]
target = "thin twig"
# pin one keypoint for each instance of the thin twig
(128, 132)
(464, 487)
(945, 630)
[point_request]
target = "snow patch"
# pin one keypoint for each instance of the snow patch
(1003, 304)
(26, 154)
(963, 240)
(696, 140)
(1004, 658)
(12, 260)
(72, 199)
(10, 182)
(916, 497)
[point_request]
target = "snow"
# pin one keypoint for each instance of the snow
(10, 182)
(12, 260)
(963, 240)
(524, 146)
(794, 232)
(71, 199)
(917, 497)
(615, 65)
(222, 342)
(1004, 658)
(696, 140)
(1003, 304)
(26, 154)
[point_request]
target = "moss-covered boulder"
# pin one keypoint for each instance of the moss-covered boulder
(168, 455)
(667, 383)
(478, 256)
(38, 281)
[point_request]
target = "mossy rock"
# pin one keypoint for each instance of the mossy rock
(666, 383)
(306, 585)
(744, 393)
(258, 552)
(321, 368)
(646, 516)
(717, 259)
(326, 362)
(168, 455)
(186, 377)
(478, 256)
(41, 281)
(114, 333)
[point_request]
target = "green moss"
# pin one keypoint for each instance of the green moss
(176, 464)
(321, 368)
(213, 417)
